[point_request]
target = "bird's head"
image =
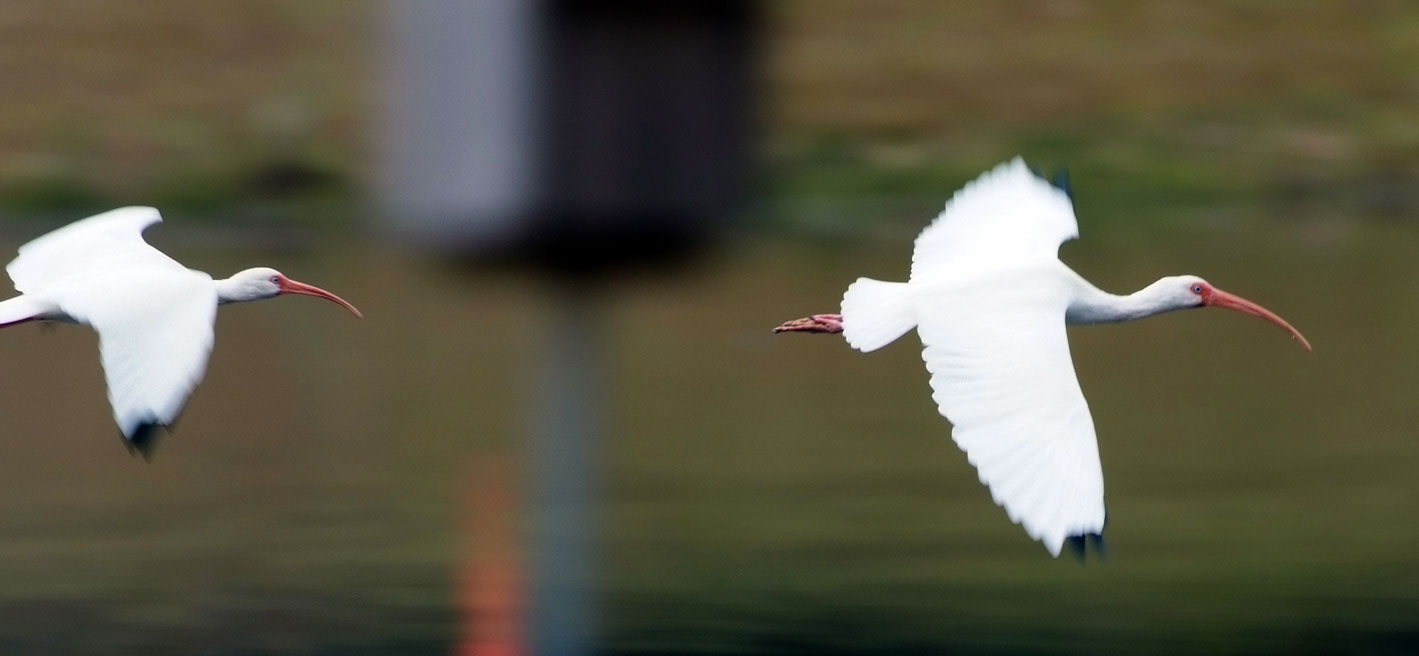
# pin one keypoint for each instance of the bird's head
(264, 282)
(1192, 291)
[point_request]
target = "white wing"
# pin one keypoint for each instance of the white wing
(103, 242)
(1008, 214)
(153, 316)
(990, 296)
(1001, 373)
(155, 335)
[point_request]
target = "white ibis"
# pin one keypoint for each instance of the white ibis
(990, 299)
(153, 316)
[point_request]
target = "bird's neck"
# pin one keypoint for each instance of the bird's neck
(1093, 305)
(230, 291)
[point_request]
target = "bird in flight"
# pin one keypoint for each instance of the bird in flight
(153, 315)
(990, 299)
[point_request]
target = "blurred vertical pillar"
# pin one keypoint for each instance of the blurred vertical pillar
(459, 143)
(578, 137)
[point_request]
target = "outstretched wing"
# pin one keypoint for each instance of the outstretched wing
(155, 336)
(1006, 215)
(1001, 373)
(103, 242)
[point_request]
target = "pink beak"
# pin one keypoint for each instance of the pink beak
(289, 286)
(1219, 298)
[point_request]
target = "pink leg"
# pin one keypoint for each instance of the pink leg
(818, 323)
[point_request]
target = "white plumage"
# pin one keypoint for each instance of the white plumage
(154, 317)
(989, 307)
(1002, 374)
(1008, 216)
(111, 241)
(990, 299)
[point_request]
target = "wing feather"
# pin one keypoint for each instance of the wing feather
(154, 344)
(1008, 214)
(107, 241)
(1000, 369)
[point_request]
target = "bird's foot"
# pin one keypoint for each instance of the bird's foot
(818, 323)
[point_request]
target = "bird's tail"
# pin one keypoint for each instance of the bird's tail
(876, 313)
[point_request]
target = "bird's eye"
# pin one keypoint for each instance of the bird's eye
(275, 280)
(1197, 289)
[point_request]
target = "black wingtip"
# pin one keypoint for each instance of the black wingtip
(143, 440)
(1079, 546)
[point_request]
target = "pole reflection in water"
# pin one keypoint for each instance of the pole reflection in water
(563, 470)
(551, 609)
(492, 586)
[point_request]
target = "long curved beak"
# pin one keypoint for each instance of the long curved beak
(289, 286)
(1231, 301)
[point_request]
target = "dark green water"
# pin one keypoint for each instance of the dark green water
(763, 494)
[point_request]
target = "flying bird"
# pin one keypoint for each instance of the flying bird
(990, 299)
(153, 315)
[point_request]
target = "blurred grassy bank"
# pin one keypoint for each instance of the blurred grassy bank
(272, 105)
(1157, 104)
(194, 107)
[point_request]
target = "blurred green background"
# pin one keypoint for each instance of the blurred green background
(326, 490)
